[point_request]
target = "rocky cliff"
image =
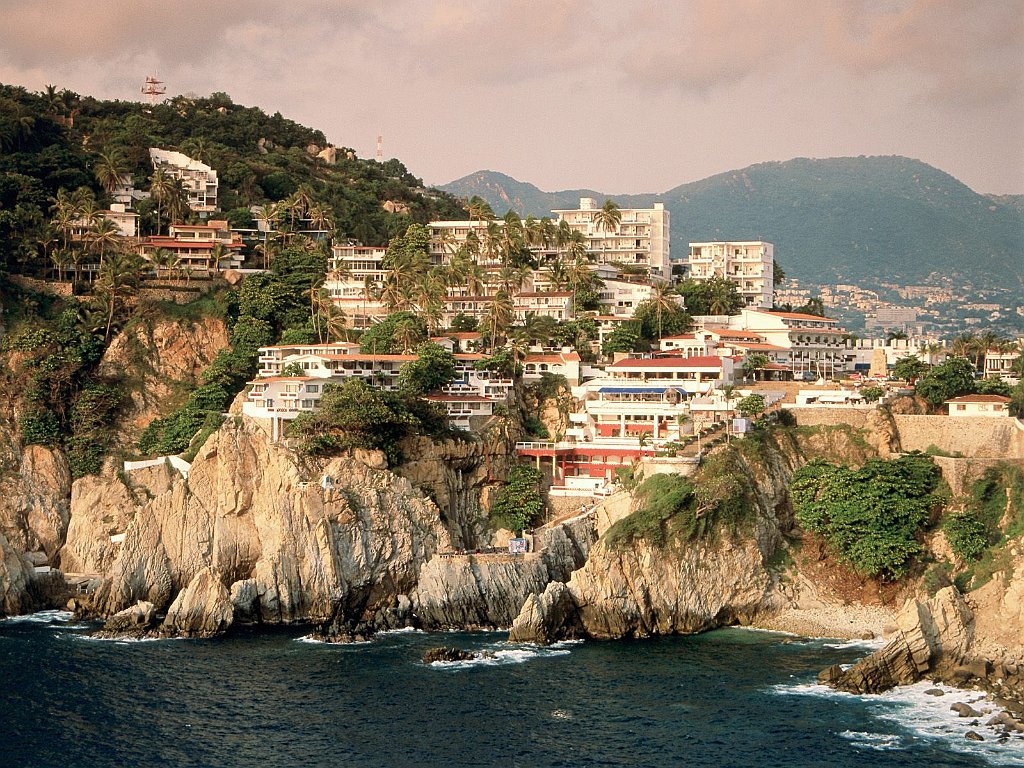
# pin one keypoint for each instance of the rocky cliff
(636, 588)
(287, 540)
(159, 362)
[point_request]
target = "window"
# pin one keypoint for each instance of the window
(313, 389)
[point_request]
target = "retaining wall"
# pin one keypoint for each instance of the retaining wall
(988, 437)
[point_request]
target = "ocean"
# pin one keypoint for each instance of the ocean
(273, 698)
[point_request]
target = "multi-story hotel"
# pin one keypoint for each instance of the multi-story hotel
(195, 246)
(639, 241)
(815, 345)
(748, 263)
(198, 179)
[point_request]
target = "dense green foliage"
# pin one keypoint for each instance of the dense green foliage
(751, 405)
(909, 368)
(872, 394)
(518, 503)
(354, 414)
(870, 517)
(716, 296)
(260, 159)
(675, 508)
(397, 333)
(966, 535)
(625, 338)
(433, 367)
(53, 351)
(951, 378)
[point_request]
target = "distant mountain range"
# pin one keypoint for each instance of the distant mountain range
(850, 218)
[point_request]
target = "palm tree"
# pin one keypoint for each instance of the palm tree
(479, 209)
(720, 300)
(406, 334)
(268, 249)
(328, 320)
(104, 236)
(163, 259)
(177, 202)
(161, 187)
(61, 259)
(109, 170)
(54, 101)
(320, 218)
(117, 280)
(608, 217)
(499, 314)
(663, 300)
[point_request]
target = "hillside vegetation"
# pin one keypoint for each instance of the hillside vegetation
(59, 139)
(890, 218)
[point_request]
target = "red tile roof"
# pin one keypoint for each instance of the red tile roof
(979, 399)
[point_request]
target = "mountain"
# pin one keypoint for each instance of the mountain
(853, 218)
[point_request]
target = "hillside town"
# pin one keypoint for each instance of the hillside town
(589, 302)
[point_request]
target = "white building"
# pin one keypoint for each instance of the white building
(815, 345)
(748, 263)
(979, 405)
(641, 238)
(198, 179)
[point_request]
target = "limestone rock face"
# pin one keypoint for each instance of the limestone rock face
(547, 617)
(165, 355)
(479, 591)
(202, 609)
(297, 542)
(640, 590)
(929, 633)
(999, 611)
(15, 573)
(34, 510)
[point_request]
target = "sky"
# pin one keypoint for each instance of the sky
(621, 96)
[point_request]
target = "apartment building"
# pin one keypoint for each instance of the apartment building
(815, 345)
(198, 179)
(748, 263)
(639, 240)
(196, 246)
(354, 276)
(126, 221)
(292, 377)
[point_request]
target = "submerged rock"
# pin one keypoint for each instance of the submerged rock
(445, 653)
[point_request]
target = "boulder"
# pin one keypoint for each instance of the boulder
(134, 620)
(202, 609)
(965, 710)
(928, 632)
(830, 675)
(973, 736)
(547, 617)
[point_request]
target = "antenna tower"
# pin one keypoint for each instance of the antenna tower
(153, 88)
(380, 148)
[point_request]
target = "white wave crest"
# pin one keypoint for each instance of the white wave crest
(928, 718)
(42, 617)
(501, 655)
(878, 741)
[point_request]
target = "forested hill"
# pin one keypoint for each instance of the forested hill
(57, 138)
(851, 218)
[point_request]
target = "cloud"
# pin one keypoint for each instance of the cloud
(959, 49)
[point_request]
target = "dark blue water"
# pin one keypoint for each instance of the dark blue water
(728, 698)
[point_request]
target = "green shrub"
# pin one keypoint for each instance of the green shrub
(936, 577)
(966, 535)
(519, 504)
(870, 516)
